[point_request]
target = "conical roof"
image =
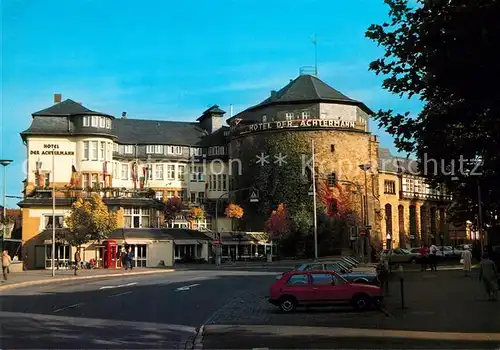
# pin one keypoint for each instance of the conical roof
(308, 88)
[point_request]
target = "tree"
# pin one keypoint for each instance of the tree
(173, 207)
(279, 225)
(196, 214)
(234, 211)
(444, 52)
(89, 220)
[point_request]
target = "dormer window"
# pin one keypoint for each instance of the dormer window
(264, 118)
(196, 152)
(96, 121)
(174, 150)
(217, 150)
(289, 116)
(306, 115)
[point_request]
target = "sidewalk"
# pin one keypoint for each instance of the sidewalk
(36, 277)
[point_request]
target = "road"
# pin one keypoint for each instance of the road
(443, 310)
(154, 311)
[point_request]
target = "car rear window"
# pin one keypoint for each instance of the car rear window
(310, 267)
(297, 280)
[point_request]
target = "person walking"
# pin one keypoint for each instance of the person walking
(78, 259)
(466, 260)
(5, 264)
(488, 274)
(433, 257)
(423, 254)
(130, 258)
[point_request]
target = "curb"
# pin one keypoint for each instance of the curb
(198, 340)
(65, 279)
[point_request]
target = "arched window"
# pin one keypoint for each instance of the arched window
(423, 223)
(433, 221)
(388, 219)
(401, 220)
(413, 220)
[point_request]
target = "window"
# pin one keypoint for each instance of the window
(171, 172)
(219, 182)
(159, 149)
(332, 180)
(159, 172)
(195, 152)
(197, 173)
(124, 171)
(332, 148)
(306, 115)
(224, 182)
(201, 197)
(95, 181)
(115, 147)
(310, 267)
(264, 118)
(108, 123)
(102, 122)
(289, 116)
(103, 150)
(150, 149)
(86, 120)
(94, 121)
(174, 150)
(389, 187)
(59, 220)
(95, 144)
(159, 195)
(298, 280)
(181, 195)
(129, 149)
(322, 279)
(115, 170)
(137, 217)
(86, 183)
(170, 194)
(180, 172)
(193, 197)
(85, 150)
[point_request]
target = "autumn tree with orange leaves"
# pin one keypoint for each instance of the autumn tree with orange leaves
(234, 211)
(279, 225)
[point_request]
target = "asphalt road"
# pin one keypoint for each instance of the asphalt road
(154, 311)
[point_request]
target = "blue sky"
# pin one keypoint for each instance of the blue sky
(170, 60)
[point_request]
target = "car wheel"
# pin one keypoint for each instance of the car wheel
(288, 304)
(414, 260)
(361, 302)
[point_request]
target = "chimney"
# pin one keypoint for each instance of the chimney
(124, 115)
(57, 98)
(273, 93)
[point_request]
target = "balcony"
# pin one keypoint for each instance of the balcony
(425, 196)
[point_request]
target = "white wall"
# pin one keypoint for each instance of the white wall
(160, 250)
(38, 150)
(343, 112)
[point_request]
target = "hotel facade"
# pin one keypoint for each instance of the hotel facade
(136, 165)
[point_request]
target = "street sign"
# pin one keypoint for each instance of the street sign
(254, 196)
(311, 190)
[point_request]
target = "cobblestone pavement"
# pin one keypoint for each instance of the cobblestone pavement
(434, 301)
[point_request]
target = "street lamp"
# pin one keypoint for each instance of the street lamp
(365, 168)
(4, 163)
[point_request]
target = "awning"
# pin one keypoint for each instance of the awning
(186, 241)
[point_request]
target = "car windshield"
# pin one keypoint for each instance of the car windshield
(334, 267)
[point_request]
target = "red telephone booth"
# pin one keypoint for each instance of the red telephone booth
(110, 252)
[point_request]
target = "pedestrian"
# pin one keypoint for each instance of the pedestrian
(488, 274)
(5, 264)
(130, 258)
(78, 259)
(433, 257)
(123, 258)
(466, 260)
(422, 255)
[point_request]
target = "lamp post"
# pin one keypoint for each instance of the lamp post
(4, 163)
(365, 168)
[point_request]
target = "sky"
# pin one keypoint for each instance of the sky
(171, 60)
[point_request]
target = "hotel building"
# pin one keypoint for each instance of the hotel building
(138, 164)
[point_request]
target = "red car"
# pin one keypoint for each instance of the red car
(321, 288)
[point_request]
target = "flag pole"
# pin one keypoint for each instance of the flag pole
(315, 55)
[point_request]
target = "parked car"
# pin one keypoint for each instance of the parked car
(398, 255)
(346, 272)
(321, 288)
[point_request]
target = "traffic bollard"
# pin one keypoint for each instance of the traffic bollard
(401, 282)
